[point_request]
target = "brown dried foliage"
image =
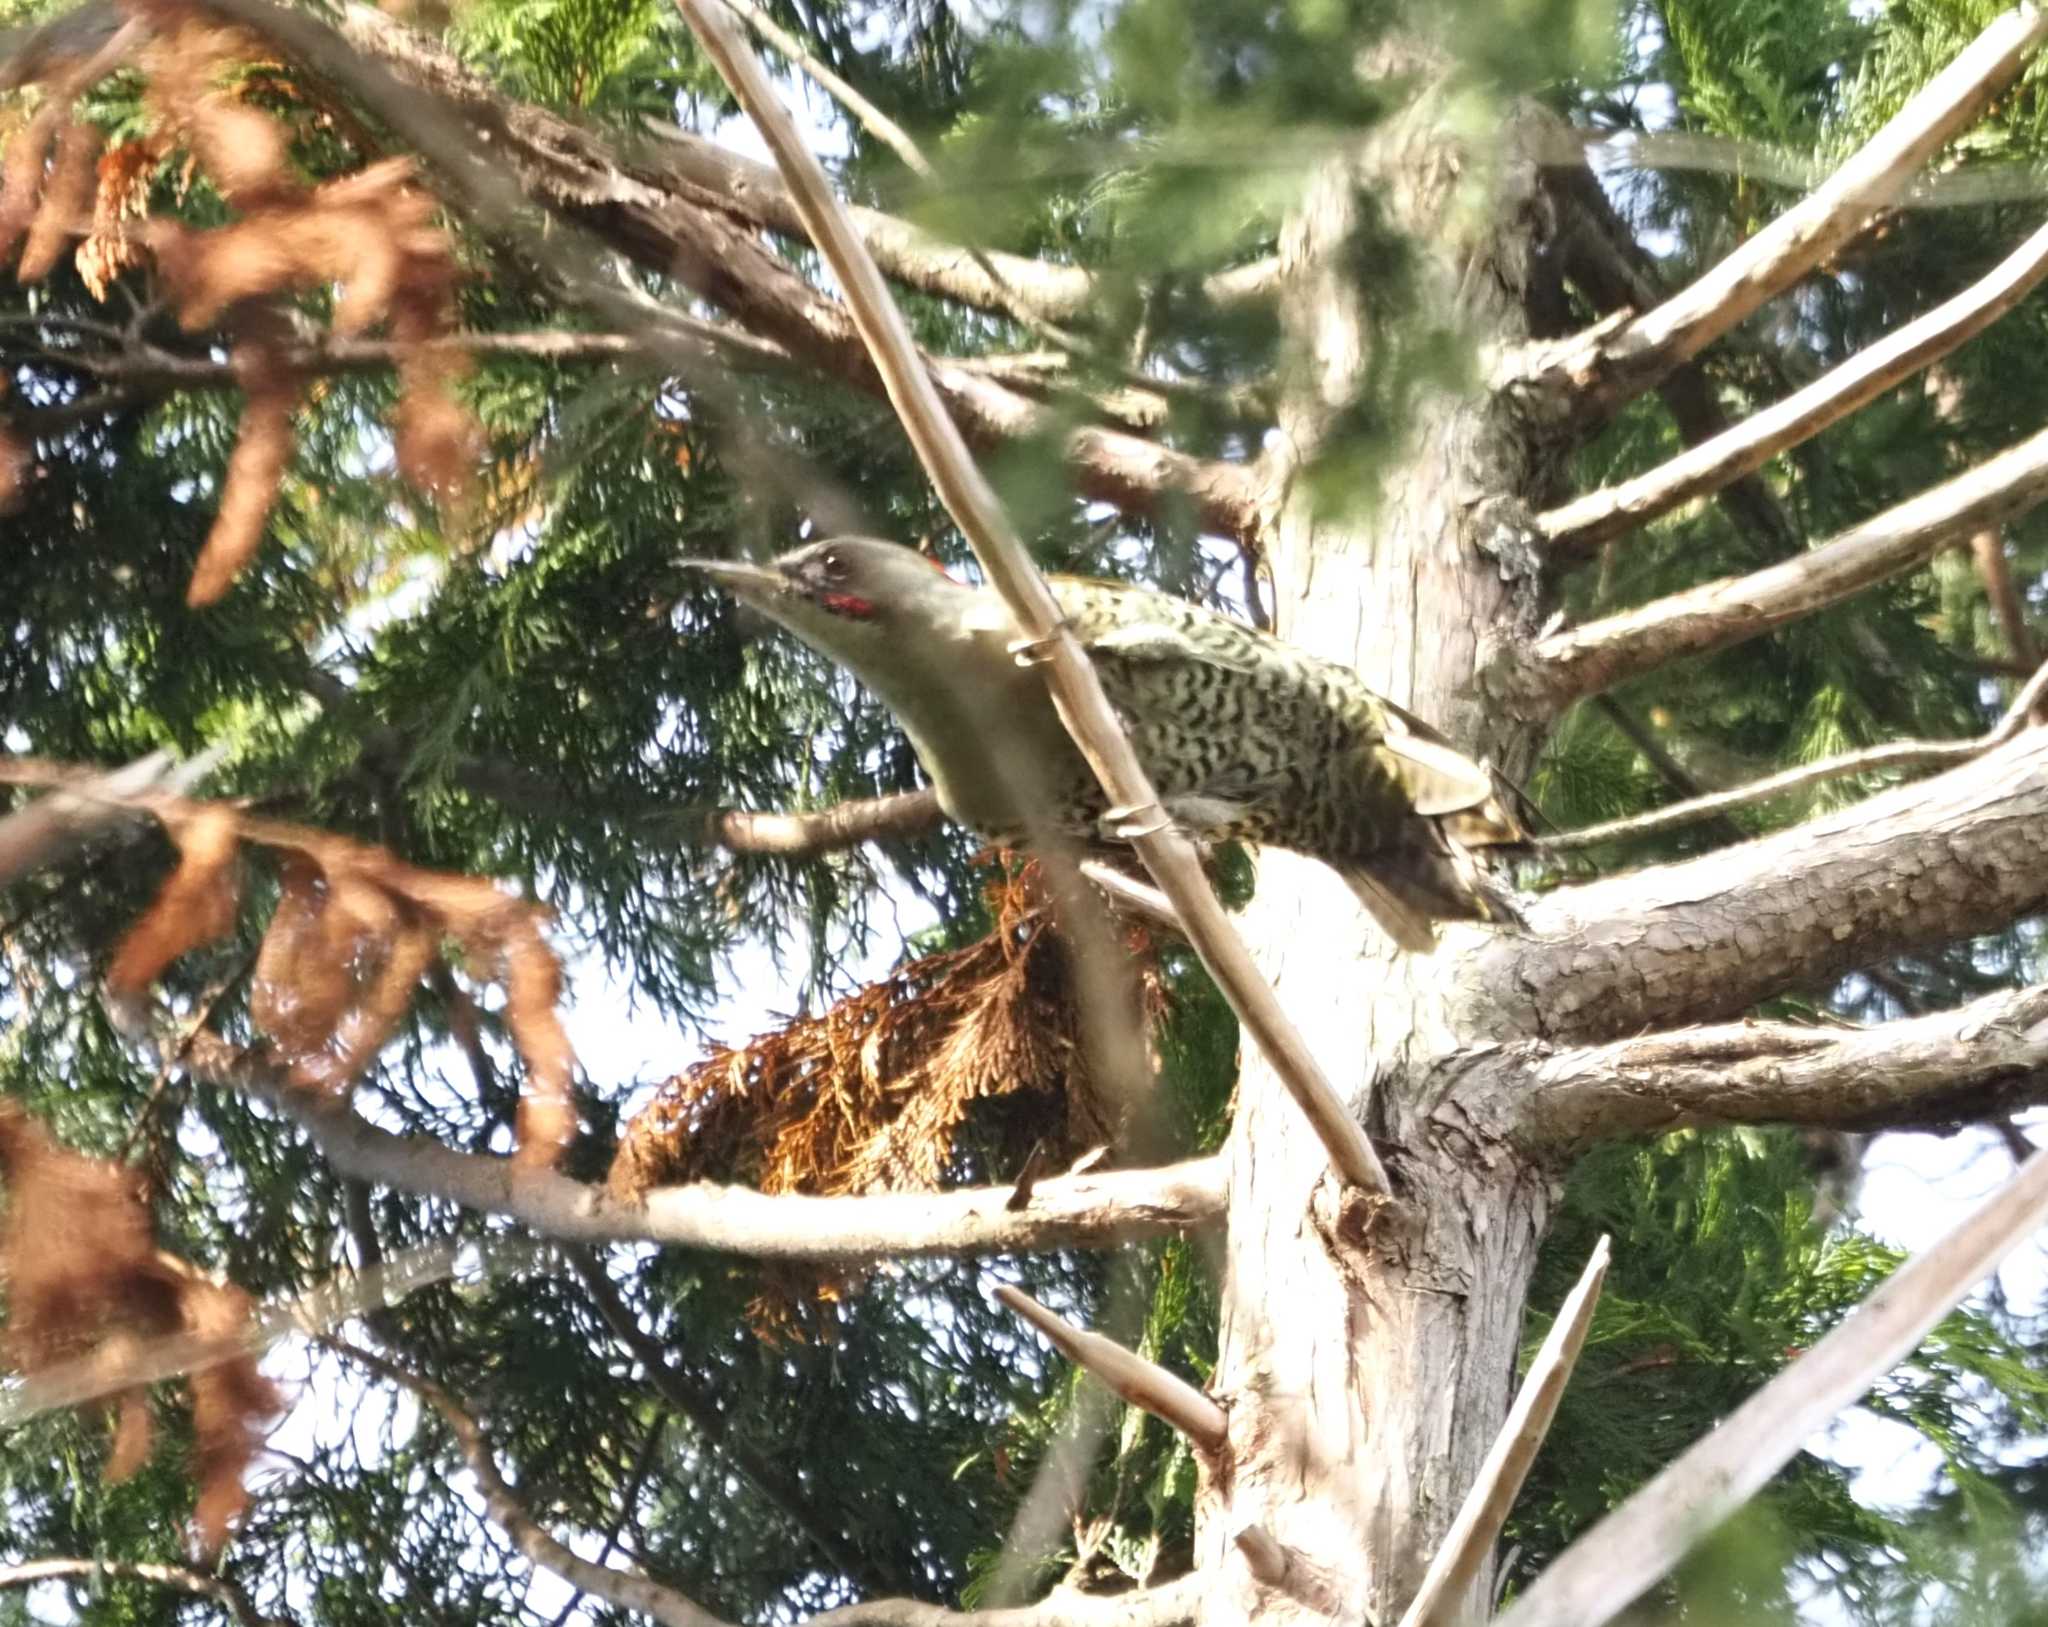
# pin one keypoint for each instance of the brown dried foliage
(85, 1279)
(370, 235)
(354, 933)
(872, 1094)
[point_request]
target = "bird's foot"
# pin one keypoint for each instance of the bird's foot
(1035, 652)
(1140, 819)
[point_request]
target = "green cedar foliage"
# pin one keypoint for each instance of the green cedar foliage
(376, 661)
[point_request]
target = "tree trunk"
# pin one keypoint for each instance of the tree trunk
(1368, 1350)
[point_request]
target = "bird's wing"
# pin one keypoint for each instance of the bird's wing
(1437, 778)
(1139, 626)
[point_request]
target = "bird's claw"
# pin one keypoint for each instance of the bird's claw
(1140, 819)
(1035, 652)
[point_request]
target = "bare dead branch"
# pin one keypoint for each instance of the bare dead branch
(1587, 521)
(1925, 863)
(627, 1590)
(1077, 692)
(1603, 368)
(1892, 754)
(1142, 1383)
(183, 1578)
(499, 158)
(1596, 1578)
(871, 118)
(1167, 1606)
(1074, 1211)
(1991, 1054)
(1582, 661)
(1438, 1601)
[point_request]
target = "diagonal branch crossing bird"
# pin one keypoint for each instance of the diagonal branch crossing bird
(1243, 735)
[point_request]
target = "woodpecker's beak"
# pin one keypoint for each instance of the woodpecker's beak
(752, 584)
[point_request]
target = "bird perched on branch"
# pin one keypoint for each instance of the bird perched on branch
(1242, 735)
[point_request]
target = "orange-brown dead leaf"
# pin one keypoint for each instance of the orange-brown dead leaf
(84, 1277)
(67, 201)
(21, 172)
(195, 907)
(122, 195)
(263, 450)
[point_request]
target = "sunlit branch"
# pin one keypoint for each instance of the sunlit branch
(1597, 1578)
(1989, 1055)
(1077, 691)
(1892, 754)
(1930, 862)
(1581, 661)
(1142, 1383)
(1599, 516)
(181, 1578)
(1096, 1210)
(1611, 365)
(627, 1590)
(1477, 1528)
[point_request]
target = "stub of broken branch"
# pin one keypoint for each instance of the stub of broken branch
(1144, 1384)
(1602, 1573)
(1077, 692)
(1485, 1509)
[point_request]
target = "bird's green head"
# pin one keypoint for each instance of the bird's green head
(841, 595)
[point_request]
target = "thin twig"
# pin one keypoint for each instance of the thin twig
(1477, 1527)
(1076, 690)
(1602, 1573)
(1142, 1383)
(1893, 754)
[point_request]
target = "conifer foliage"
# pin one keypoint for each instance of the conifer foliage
(1652, 398)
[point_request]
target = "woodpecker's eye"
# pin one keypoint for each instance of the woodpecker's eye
(834, 565)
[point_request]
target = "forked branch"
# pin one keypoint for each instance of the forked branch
(1597, 1578)
(1077, 692)
(1601, 369)
(1988, 1056)
(1930, 862)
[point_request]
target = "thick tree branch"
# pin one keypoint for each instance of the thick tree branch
(1070, 1212)
(1031, 289)
(499, 156)
(1926, 863)
(183, 1578)
(1609, 365)
(1600, 254)
(1142, 1383)
(1581, 661)
(1077, 691)
(1979, 1059)
(1597, 1578)
(1892, 754)
(1600, 516)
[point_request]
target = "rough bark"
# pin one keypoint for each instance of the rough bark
(1925, 863)
(1367, 1352)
